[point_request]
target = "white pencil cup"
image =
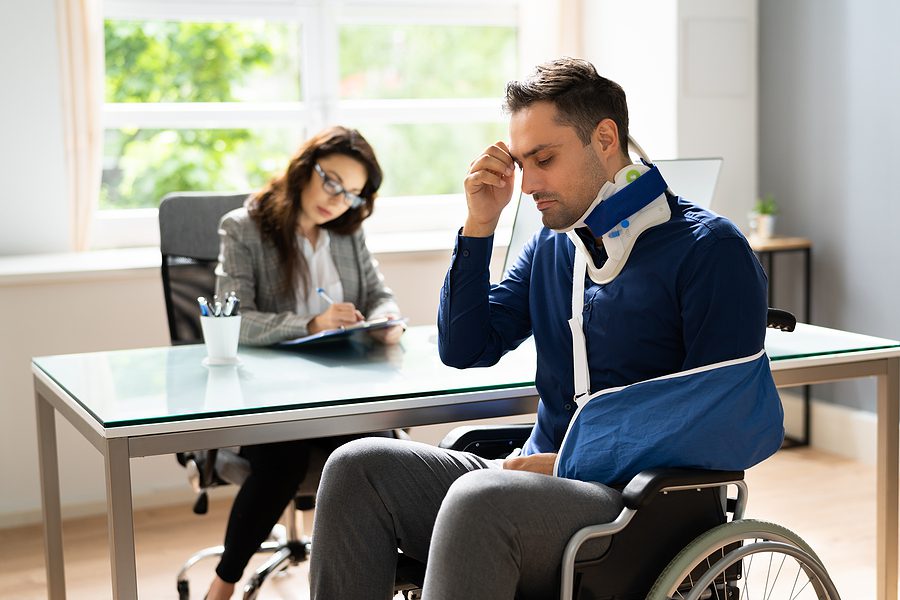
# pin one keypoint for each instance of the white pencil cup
(220, 335)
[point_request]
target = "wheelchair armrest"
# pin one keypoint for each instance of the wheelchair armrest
(650, 482)
(487, 441)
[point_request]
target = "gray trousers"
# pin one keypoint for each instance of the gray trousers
(485, 532)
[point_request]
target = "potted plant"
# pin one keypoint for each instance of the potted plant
(762, 219)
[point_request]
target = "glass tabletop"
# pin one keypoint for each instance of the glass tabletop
(156, 385)
(809, 340)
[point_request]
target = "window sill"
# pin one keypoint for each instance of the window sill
(94, 265)
(424, 241)
(116, 263)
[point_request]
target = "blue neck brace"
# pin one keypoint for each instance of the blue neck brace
(626, 202)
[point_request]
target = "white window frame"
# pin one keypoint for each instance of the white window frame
(320, 104)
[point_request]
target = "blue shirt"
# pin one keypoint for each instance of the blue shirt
(692, 293)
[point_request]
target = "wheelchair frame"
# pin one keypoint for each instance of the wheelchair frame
(720, 547)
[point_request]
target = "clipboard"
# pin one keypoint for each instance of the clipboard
(343, 332)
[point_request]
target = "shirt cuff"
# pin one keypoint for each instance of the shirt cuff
(472, 253)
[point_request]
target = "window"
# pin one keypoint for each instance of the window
(217, 95)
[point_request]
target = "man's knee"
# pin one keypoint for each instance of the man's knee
(359, 457)
(479, 496)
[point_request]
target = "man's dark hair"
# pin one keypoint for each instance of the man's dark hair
(582, 97)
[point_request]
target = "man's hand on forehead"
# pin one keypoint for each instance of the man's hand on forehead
(493, 167)
(488, 186)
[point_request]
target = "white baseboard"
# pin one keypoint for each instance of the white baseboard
(431, 434)
(847, 432)
(163, 497)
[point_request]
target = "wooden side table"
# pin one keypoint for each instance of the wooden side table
(766, 249)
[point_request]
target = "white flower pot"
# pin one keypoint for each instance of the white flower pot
(761, 226)
(765, 226)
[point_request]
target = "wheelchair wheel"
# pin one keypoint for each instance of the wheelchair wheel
(745, 560)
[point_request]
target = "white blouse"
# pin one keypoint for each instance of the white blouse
(322, 274)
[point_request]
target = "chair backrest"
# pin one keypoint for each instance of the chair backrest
(189, 244)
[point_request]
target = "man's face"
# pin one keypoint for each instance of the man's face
(559, 171)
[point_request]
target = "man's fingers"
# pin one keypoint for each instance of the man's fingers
(487, 162)
(500, 151)
(495, 157)
(486, 178)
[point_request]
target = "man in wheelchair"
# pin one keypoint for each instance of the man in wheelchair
(648, 315)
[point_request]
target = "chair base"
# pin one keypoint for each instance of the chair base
(285, 545)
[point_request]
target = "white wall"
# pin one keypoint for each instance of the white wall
(717, 96)
(689, 71)
(828, 129)
(642, 57)
(42, 318)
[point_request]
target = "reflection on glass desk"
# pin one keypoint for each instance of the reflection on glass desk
(809, 341)
(145, 402)
(159, 385)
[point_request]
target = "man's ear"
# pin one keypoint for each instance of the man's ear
(606, 138)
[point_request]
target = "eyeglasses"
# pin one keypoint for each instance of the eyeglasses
(334, 188)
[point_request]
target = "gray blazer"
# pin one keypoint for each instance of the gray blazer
(249, 266)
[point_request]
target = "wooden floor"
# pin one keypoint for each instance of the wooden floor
(827, 500)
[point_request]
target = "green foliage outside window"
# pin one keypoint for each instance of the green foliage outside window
(426, 61)
(429, 158)
(170, 61)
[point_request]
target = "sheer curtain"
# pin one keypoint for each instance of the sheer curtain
(80, 27)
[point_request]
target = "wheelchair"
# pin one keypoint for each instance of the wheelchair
(681, 535)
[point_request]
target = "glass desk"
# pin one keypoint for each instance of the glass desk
(153, 401)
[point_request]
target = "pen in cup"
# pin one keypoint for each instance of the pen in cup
(231, 305)
(217, 308)
(204, 307)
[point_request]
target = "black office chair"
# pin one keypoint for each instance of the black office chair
(189, 243)
(673, 539)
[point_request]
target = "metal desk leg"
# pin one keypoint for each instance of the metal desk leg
(48, 462)
(807, 284)
(120, 519)
(886, 526)
(807, 309)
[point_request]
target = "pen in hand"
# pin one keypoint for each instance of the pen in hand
(331, 303)
(324, 295)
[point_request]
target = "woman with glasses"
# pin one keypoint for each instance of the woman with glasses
(299, 234)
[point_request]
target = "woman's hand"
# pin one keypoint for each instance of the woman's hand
(536, 463)
(389, 335)
(339, 314)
